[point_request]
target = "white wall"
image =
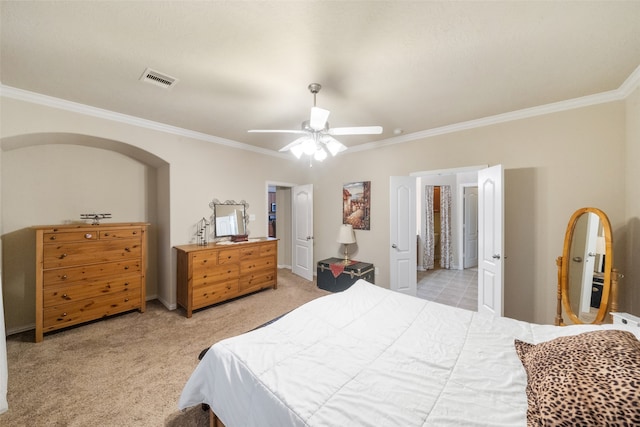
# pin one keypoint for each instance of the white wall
(630, 290)
(554, 164)
(182, 175)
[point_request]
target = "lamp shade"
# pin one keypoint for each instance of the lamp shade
(346, 235)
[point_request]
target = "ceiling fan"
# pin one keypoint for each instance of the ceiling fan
(317, 136)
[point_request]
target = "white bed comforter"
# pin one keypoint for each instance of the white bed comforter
(371, 357)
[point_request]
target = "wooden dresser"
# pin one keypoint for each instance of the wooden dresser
(86, 272)
(220, 271)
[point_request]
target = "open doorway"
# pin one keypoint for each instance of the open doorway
(460, 217)
(454, 281)
(278, 209)
(291, 222)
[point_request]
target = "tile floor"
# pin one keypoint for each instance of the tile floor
(458, 288)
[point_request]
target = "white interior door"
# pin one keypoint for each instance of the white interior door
(470, 227)
(402, 234)
(302, 233)
(490, 240)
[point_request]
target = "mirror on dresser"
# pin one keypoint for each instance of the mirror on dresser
(587, 281)
(229, 219)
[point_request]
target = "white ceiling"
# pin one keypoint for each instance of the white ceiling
(404, 65)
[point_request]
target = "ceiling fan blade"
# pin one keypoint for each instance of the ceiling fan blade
(357, 130)
(318, 119)
(276, 131)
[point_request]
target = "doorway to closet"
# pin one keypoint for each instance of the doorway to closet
(447, 238)
(290, 220)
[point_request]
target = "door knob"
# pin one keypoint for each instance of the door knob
(394, 246)
(496, 256)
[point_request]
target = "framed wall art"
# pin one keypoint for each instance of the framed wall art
(356, 205)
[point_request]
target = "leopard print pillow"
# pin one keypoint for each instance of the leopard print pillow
(590, 379)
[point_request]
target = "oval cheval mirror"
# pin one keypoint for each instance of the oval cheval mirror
(587, 283)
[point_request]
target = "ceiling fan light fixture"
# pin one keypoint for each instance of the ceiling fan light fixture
(320, 154)
(333, 145)
(318, 140)
(297, 150)
(309, 146)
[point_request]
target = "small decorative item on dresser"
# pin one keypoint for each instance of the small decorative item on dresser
(86, 272)
(202, 234)
(336, 276)
(95, 217)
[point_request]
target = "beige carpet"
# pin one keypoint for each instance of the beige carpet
(129, 370)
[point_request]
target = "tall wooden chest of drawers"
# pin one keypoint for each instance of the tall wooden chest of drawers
(219, 271)
(86, 272)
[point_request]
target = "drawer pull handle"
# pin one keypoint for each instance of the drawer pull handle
(64, 314)
(135, 232)
(63, 256)
(52, 238)
(126, 300)
(126, 283)
(64, 277)
(64, 295)
(88, 236)
(127, 250)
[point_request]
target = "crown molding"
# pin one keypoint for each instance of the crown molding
(625, 89)
(62, 104)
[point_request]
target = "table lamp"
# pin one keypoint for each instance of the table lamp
(346, 236)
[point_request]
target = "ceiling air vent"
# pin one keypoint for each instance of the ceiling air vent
(158, 79)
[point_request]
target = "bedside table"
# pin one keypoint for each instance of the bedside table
(335, 276)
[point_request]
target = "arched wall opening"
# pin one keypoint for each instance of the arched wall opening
(52, 178)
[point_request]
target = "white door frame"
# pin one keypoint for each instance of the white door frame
(290, 243)
(459, 261)
(462, 255)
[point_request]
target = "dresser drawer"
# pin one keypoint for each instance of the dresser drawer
(71, 236)
(72, 313)
(258, 263)
(231, 256)
(203, 259)
(127, 233)
(257, 280)
(214, 274)
(91, 273)
(207, 294)
(56, 255)
(65, 293)
(269, 249)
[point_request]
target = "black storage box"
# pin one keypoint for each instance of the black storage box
(335, 276)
